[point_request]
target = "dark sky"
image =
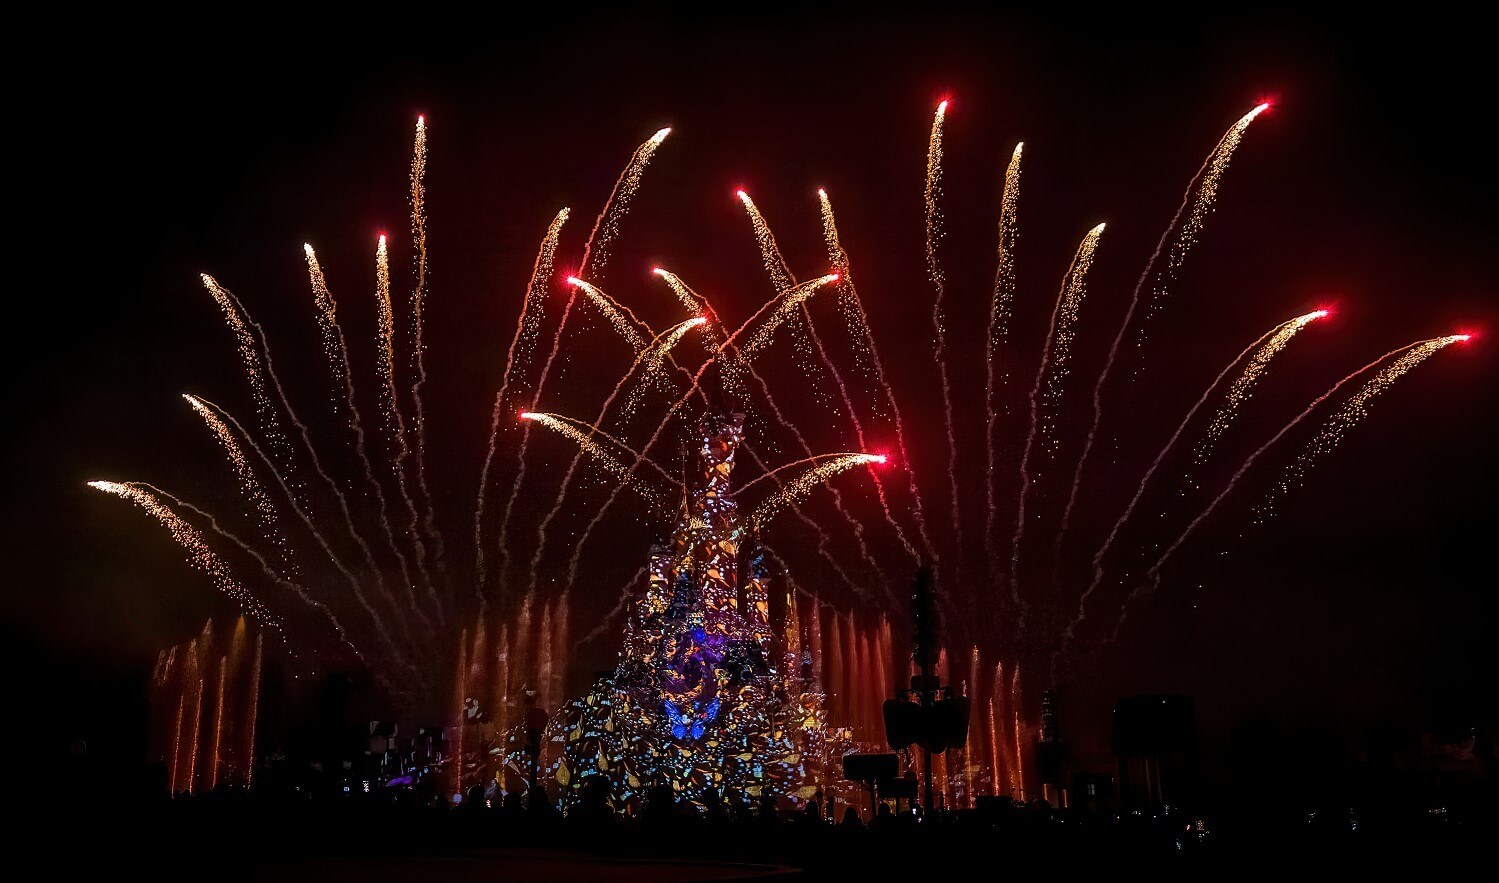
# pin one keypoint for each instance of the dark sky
(139, 161)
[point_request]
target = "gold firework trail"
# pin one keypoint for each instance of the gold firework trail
(605, 227)
(615, 312)
(1047, 390)
(806, 482)
(1343, 419)
(1258, 347)
(1205, 185)
(249, 485)
(199, 555)
(517, 361)
(863, 341)
(1001, 309)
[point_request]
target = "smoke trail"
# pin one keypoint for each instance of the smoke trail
(625, 594)
(418, 348)
(517, 361)
(1277, 338)
(395, 423)
(1054, 353)
(605, 227)
(1001, 309)
(1205, 185)
(336, 348)
(1353, 410)
(859, 332)
(931, 197)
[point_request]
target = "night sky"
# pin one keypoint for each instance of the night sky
(141, 162)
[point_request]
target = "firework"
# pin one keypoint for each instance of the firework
(864, 342)
(1243, 385)
(199, 555)
(931, 198)
(563, 426)
(1047, 389)
(794, 298)
(418, 348)
(1205, 185)
(805, 483)
(1001, 307)
(517, 358)
(1344, 418)
(337, 351)
(249, 484)
(605, 227)
(1264, 348)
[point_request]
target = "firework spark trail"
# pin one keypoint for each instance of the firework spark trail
(1205, 185)
(780, 272)
(336, 348)
(395, 423)
(418, 348)
(265, 566)
(249, 485)
(858, 320)
(606, 460)
(783, 279)
(1354, 410)
(1406, 358)
(192, 758)
(517, 361)
(1001, 309)
(605, 227)
(996, 698)
(305, 518)
(805, 461)
(653, 358)
(1243, 385)
(694, 303)
(246, 342)
(804, 484)
(727, 352)
(655, 353)
(199, 555)
(786, 307)
(620, 316)
(263, 356)
(809, 523)
(931, 198)
(1258, 348)
(1048, 388)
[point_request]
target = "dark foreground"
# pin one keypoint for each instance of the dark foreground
(248, 839)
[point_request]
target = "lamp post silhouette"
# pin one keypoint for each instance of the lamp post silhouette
(929, 715)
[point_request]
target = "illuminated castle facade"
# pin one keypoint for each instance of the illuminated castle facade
(707, 694)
